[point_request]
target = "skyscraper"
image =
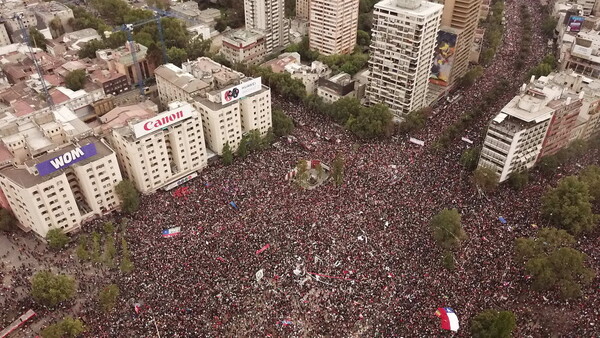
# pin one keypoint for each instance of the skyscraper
(268, 16)
(404, 37)
(333, 26)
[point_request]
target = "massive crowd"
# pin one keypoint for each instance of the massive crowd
(358, 260)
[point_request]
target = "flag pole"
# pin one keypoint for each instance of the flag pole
(154, 320)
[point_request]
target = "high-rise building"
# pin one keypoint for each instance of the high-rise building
(303, 9)
(462, 16)
(404, 37)
(268, 16)
(333, 26)
(535, 123)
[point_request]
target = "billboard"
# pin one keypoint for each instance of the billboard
(162, 120)
(575, 23)
(241, 90)
(66, 159)
(443, 58)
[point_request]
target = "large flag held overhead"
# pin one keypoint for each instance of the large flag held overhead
(448, 317)
(171, 232)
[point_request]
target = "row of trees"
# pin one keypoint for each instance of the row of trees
(526, 37)
(493, 33)
(545, 67)
(91, 250)
(249, 143)
(347, 63)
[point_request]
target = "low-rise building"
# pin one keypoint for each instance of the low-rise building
(58, 175)
(157, 151)
(308, 75)
(121, 60)
(279, 64)
(244, 46)
(112, 82)
(55, 16)
(336, 87)
(174, 84)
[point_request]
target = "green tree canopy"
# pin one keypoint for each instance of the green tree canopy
(447, 230)
(282, 124)
(227, 156)
(108, 297)
(75, 80)
(493, 324)
(415, 120)
(486, 178)
(57, 239)
(568, 206)
(469, 158)
(337, 170)
(591, 177)
(66, 328)
(371, 122)
(552, 264)
(50, 289)
(129, 196)
(363, 38)
(518, 180)
(89, 49)
(177, 55)
(37, 38)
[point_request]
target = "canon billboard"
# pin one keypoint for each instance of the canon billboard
(241, 90)
(162, 120)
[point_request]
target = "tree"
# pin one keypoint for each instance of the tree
(591, 177)
(75, 79)
(129, 196)
(108, 297)
(552, 264)
(56, 27)
(95, 252)
(50, 289)
(126, 263)
(493, 324)
(242, 150)
(177, 55)
(38, 39)
(57, 239)
(471, 76)
(518, 179)
(110, 251)
(548, 164)
(363, 38)
(89, 49)
(469, 158)
(549, 25)
(447, 230)
(371, 122)
(568, 206)
(227, 156)
(448, 260)
(415, 120)
(337, 170)
(221, 24)
(81, 251)
(282, 124)
(485, 178)
(7, 220)
(197, 47)
(67, 327)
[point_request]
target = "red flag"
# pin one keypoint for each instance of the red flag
(263, 249)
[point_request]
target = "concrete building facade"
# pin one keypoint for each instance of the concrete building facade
(333, 25)
(244, 46)
(160, 150)
(303, 9)
(404, 37)
(4, 37)
(268, 17)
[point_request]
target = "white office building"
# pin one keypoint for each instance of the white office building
(268, 17)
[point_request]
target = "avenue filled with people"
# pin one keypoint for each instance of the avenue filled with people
(352, 260)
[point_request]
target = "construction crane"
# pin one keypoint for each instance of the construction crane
(19, 17)
(128, 29)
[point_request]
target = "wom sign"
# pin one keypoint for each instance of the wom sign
(66, 159)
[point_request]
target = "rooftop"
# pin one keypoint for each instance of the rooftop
(242, 37)
(50, 7)
(212, 72)
(119, 116)
(180, 78)
(419, 8)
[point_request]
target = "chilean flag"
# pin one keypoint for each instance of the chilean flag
(171, 232)
(448, 317)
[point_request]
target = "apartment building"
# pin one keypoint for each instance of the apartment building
(54, 173)
(333, 25)
(303, 9)
(244, 46)
(535, 123)
(402, 47)
(462, 16)
(230, 104)
(157, 151)
(268, 17)
(175, 84)
(580, 51)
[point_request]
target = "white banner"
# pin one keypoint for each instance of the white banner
(415, 141)
(242, 90)
(162, 120)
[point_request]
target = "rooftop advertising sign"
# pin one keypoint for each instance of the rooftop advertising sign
(162, 120)
(241, 90)
(66, 159)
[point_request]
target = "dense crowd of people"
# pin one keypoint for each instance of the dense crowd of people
(354, 260)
